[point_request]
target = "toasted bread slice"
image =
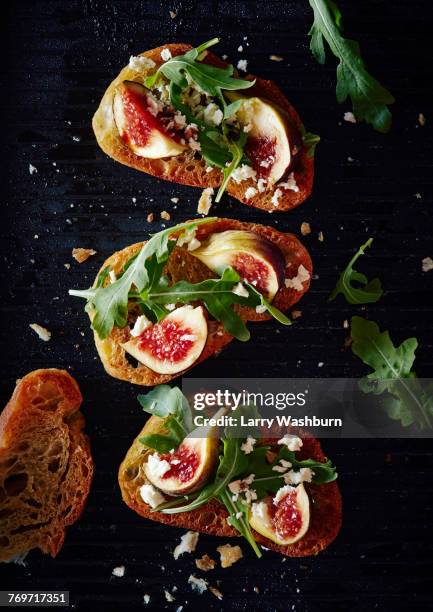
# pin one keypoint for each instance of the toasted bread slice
(45, 463)
(211, 518)
(183, 265)
(188, 168)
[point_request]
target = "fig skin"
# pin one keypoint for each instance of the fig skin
(222, 249)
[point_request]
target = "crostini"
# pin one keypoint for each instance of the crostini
(45, 464)
(180, 114)
(277, 493)
(159, 307)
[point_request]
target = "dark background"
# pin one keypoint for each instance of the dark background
(58, 59)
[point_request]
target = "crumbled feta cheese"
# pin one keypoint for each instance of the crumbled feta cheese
(240, 290)
(197, 584)
(194, 144)
(240, 48)
(242, 173)
(242, 65)
(119, 572)
(141, 323)
(261, 185)
(259, 510)
(229, 554)
(320, 237)
(151, 496)
(188, 543)
(293, 443)
(205, 201)
(32, 169)
(170, 307)
(247, 128)
(209, 169)
(250, 193)
(281, 493)
(166, 54)
(298, 281)
(261, 308)
(303, 475)
(43, 333)
(427, 264)
(168, 596)
(276, 196)
(193, 244)
(290, 183)
(186, 237)
(156, 466)
(213, 114)
(146, 599)
(349, 117)
(174, 200)
(279, 468)
(179, 120)
(248, 446)
(139, 63)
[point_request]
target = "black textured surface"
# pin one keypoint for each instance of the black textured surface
(61, 56)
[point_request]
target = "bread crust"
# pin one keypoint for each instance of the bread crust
(185, 168)
(183, 265)
(41, 428)
(211, 518)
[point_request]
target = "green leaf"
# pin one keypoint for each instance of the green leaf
(370, 99)
(310, 140)
(237, 151)
(241, 523)
(164, 401)
(160, 443)
(367, 293)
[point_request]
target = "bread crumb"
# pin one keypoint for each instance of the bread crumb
(305, 228)
(229, 554)
(173, 14)
(169, 597)
(43, 333)
(150, 217)
(188, 543)
(205, 563)
(345, 324)
(67, 266)
(427, 264)
(349, 117)
(296, 314)
(216, 592)
(32, 169)
(119, 572)
(242, 65)
(421, 119)
(197, 584)
(205, 201)
(276, 58)
(82, 255)
(320, 237)
(146, 599)
(256, 589)
(165, 215)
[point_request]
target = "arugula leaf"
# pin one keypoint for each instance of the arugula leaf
(160, 443)
(370, 99)
(237, 153)
(368, 293)
(240, 523)
(165, 401)
(110, 302)
(310, 140)
(391, 367)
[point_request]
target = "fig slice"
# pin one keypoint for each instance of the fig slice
(283, 519)
(172, 345)
(273, 141)
(143, 123)
(184, 470)
(256, 259)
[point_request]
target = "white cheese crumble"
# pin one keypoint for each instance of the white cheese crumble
(242, 173)
(276, 196)
(303, 475)
(197, 584)
(298, 281)
(281, 493)
(240, 290)
(250, 193)
(349, 117)
(168, 596)
(170, 307)
(43, 333)
(261, 185)
(141, 323)
(248, 446)
(151, 496)
(186, 237)
(242, 65)
(139, 63)
(261, 308)
(293, 443)
(119, 572)
(290, 183)
(193, 244)
(188, 543)
(156, 466)
(32, 169)
(146, 598)
(427, 264)
(166, 54)
(205, 201)
(259, 510)
(213, 114)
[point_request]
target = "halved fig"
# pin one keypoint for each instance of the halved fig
(273, 141)
(256, 259)
(186, 469)
(172, 345)
(143, 123)
(283, 519)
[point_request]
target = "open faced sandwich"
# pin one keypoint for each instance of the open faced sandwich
(276, 492)
(179, 113)
(158, 308)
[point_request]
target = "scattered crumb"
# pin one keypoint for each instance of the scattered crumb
(418, 196)
(67, 266)
(43, 333)
(320, 237)
(197, 584)
(169, 597)
(216, 592)
(165, 215)
(346, 324)
(33, 169)
(205, 563)
(82, 255)
(320, 364)
(146, 599)
(349, 117)
(119, 572)
(240, 48)
(427, 264)
(421, 119)
(305, 228)
(174, 200)
(296, 314)
(229, 554)
(173, 14)
(150, 217)
(205, 201)
(256, 589)
(276, 58)
(188, 543)
(242, 65)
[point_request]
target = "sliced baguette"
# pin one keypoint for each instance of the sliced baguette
(187, 168)
(183, 265)
(45, 463)
(211, 518)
